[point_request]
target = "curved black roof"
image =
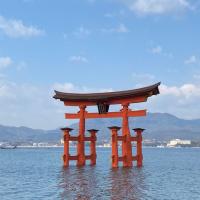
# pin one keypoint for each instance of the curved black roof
(107, 96)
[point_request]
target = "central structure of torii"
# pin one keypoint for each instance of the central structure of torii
(103, 101)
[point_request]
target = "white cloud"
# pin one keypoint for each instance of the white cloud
(191, 60)
(122, 29)
(148, 7)
(119, 29)
(196, 76)
(16, 28)
(6, 89)
(157, 50)
(109, 15)
(78, 59)
(65, 87)
(3, 90)
(21, 65)
(82, 32)
(182, 101)
(28, 105)
(70, 87)
(33, 106)
(5, 62)
(185, 91)
(121, 13)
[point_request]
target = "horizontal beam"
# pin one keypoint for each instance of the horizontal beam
(134, 157)
(73, 157)
(90, 139)
(121, 158)
(135, 113)
(88, 157)
(110, 102)
(77, 138)
(120, 138)
(74, 138)
(134, 139)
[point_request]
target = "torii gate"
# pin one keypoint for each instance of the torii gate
(103, 101)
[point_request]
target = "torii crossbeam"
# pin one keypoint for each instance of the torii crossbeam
(103, 101)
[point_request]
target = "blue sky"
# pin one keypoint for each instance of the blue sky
(96, 45)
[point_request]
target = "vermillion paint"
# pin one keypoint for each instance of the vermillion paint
(124, 98)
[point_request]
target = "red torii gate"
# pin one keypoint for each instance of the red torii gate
(103, 101)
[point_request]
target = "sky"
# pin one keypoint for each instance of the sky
(94, 46)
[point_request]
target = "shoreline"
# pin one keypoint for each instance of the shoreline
(145, 147)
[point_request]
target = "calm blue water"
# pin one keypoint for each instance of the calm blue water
(38, 174)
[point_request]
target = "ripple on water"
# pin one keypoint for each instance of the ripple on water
(38, 174)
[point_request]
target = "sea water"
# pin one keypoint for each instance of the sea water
(37, 173)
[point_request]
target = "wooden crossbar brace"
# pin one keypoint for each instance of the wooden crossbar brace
(135, 113)
(123, 138)
(121, 158)
(77, 138)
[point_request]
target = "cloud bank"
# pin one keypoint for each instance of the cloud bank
(16, 28)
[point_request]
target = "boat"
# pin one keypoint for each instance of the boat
(8, 146)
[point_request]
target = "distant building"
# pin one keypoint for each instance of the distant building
(177, 142)
(62, 142)
(106, 145)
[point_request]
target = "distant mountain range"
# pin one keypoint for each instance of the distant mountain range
(159, 126)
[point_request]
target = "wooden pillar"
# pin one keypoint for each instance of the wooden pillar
(66, 138)
(126, 143)
(139, 146)
(115, 157)
(81, 142)
(93, 146)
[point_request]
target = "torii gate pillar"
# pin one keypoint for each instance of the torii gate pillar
(126, 143)
(139, 156)
(81, 141)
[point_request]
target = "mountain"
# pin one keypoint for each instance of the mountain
(24, 134)
(159, 126)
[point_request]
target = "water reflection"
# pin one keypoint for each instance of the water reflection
(127, 183)
(78, 183)
(93, 183)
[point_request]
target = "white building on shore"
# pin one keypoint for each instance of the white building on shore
(176, 142)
